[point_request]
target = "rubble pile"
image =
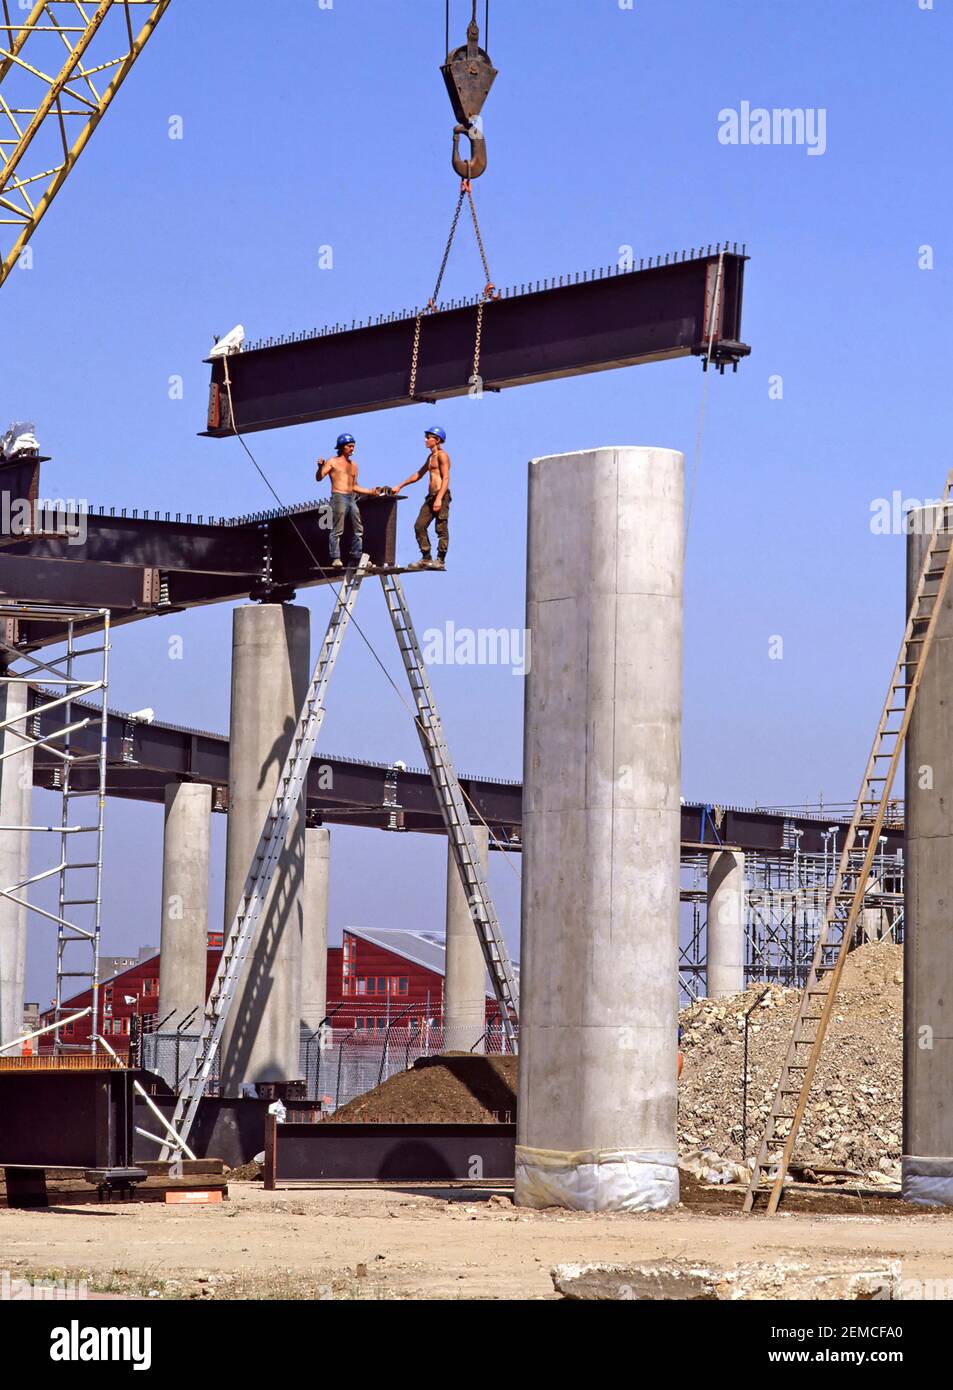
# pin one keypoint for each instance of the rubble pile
(853, 1116)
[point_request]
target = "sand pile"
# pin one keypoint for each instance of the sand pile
(853, 1117)
(455, 1088)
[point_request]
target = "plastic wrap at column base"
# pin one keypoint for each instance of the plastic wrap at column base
(596, 1180)
(927, 1181)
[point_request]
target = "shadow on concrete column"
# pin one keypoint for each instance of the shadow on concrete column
(927, 1162)
(464, 991)
(314, 941)
(270, 674)
(183, 953)
(16, 801)
(725, 929)
(601, 822)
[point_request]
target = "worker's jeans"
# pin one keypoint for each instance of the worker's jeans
(344, 505)
(426, 516)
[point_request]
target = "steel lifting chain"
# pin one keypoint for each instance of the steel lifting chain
(489, 292)
(432, 302)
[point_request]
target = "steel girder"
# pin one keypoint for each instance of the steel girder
(144, 758)
(141, 566)
(609, 318)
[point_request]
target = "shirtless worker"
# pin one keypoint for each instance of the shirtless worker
(436, 505)
(344, 495)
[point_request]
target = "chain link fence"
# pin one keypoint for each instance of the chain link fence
(339, 1064)
(169, 1056)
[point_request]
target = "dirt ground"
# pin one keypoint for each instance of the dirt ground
(421, 1244)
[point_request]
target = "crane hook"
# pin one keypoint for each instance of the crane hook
(473, 167)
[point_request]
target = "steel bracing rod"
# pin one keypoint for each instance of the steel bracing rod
(453, 808)
(849, 888)
(46, 741)
(44, 26)
(242, 929)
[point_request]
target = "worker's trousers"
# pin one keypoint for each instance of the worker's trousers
(426, 516)
(344, 505)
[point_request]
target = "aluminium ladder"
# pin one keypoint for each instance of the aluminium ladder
(241, 932)
(453, 808)
(850, 882)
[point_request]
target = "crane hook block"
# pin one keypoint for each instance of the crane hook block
(469, 75)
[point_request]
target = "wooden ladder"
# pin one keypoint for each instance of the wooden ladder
(850, 884)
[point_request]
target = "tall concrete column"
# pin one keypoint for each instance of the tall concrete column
(15, 804)
(726, 924)
(183, 952)
(464, 989)
(314, 941)
(16, 800)
(927, 1163)
(270, 673)
(601, 826)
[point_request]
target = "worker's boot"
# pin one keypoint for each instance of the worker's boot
(424, 563)
(438, 564)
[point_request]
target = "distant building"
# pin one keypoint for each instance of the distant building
(31, 1017)
(115, 965)
(375, 978)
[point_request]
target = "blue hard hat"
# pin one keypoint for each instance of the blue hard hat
(345, 439)
(438, 432)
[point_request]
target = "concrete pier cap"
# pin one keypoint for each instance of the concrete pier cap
(601, 822)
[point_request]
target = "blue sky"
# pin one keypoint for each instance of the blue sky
(305, 126)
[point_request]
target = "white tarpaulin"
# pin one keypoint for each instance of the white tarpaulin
(596, 1180)
(20, 438)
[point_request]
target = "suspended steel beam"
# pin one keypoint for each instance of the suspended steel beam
(60, 68)
(594, 321)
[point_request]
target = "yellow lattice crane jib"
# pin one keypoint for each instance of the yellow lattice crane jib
(59, 70)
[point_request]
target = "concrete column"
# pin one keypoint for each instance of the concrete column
(927, 1163)
(16, 800)
(601, 825)
(270, 673)
(726, 924)
(314, 941)
(464, 990)
(183, 952)
(874, 921)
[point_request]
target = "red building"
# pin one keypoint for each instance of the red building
(375, 978)
(129, 993)
(381, 977)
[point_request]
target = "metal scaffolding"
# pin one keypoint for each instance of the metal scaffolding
(785, 899)
(76, 670)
